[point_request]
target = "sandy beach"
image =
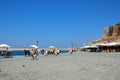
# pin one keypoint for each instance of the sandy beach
(77, 66)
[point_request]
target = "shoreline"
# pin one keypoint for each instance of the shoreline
(30, 48)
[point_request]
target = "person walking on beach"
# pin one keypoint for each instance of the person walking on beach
(25, 52)
(33, 54)
(70, 51)
(57, 51)
(46, 52)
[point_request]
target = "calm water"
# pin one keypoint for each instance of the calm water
(21, 52)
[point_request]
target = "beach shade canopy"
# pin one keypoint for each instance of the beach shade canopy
(52, 47)
(34, 46)
(4, 46)
(92, 46)
(109, 44)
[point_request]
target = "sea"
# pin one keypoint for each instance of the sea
(21, 52)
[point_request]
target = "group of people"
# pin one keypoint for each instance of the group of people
(52, 52)
(33, 53)
(5, 54)
(70, 51)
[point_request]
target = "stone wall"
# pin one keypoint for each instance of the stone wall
(115, 34)
(105, 35)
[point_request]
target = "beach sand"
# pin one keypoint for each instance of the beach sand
(76, 66)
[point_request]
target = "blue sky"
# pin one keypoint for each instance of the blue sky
(55, 22)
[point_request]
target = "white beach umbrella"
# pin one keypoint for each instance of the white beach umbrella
(52, 47)
(4, 46)
(34, 46)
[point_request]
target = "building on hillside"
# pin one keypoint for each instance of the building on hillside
(110, 42)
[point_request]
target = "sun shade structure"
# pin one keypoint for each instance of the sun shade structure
(52, 47)
(34, 46)
(4, 46)
(109, 44)
(93, 46)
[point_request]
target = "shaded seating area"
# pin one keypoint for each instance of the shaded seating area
(92, 48)
(5, 54)
(109, 47)
(103, 47)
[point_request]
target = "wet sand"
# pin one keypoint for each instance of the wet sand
(76, 66)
